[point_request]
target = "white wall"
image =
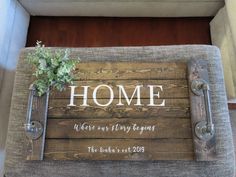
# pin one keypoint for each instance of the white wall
(14, 21)
(231, 13)
(223, 35)
(123, 8)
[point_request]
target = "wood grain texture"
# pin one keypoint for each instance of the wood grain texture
(174, 108)
(172, 88)
(119, 128)
(162, 149)
(130, 70)
(107, 125)
(144, 125)
(204, 150)
(35, 148)
(16, 166)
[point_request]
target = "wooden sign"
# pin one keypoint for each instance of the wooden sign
(124, 111)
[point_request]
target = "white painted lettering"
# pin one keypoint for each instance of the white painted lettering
(152, 94)
(122, 91)
(95, 95)
(84, 95)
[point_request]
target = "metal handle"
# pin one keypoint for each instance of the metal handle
(33, 129)
(204, 130)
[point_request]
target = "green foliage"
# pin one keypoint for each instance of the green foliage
(52, 68)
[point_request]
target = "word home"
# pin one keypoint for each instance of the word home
(154, 94)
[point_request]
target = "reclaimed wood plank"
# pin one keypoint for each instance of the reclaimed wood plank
(119, 149)
(119, 128)
(173, 108)
(34, 148)
(130, 70)
(171, 88)
(204, 150)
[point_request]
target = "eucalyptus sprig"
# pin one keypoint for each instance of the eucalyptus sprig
(51, 68)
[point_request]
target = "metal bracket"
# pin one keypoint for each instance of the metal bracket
(204, 130)
(33, 129)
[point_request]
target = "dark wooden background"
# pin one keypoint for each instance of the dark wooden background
(104, 31)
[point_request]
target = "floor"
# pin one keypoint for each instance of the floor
(98, 32)
(103, 32)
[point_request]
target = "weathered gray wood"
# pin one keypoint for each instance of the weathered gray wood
(159, 149)
(144, 128)
(174, 108)
(204, 150)
(172, 88)
(35, 148)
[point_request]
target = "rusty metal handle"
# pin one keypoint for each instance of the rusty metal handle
(204, 129)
